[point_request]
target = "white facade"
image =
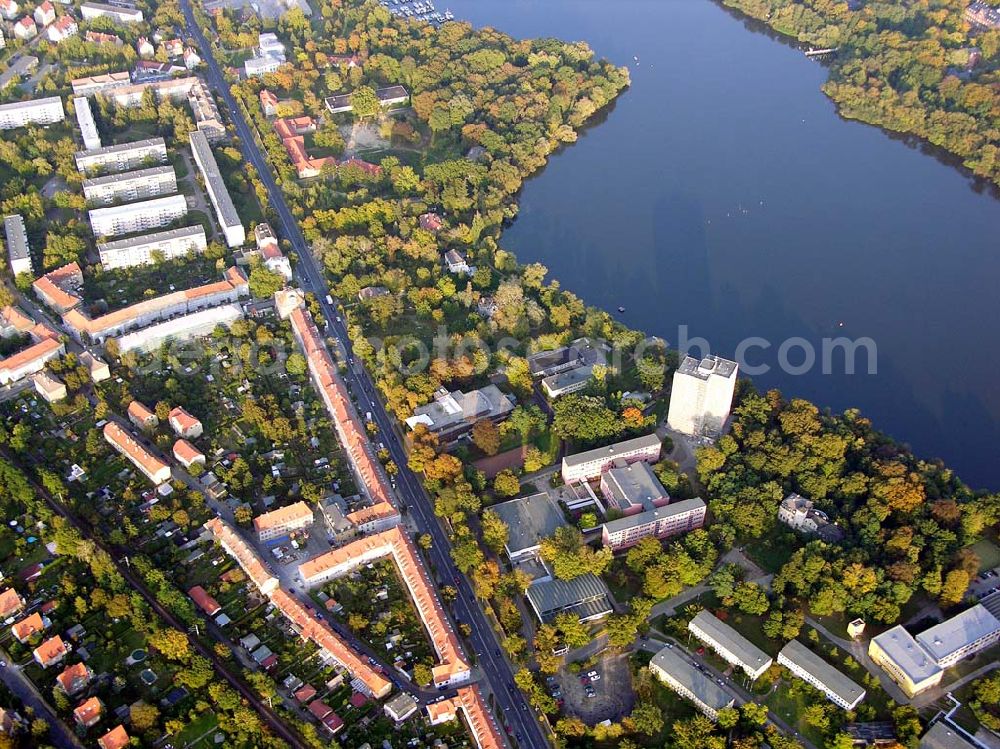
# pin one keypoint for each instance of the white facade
(257, 66)
(85, 119)
(702, 395)
(33, 112)
(812, 669)
(128, 186)
(590, 464)
(133, 217)
(225, 211)
(123, 156)
(730, 644)
(125, 253)
(122, 15)
(18, 252)
(185, 327)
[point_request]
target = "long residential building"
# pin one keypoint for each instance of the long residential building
(181, 328)
(229, 219)
(279, 523)
(301, 618)
(45, 344)
(125, 253)
(591, 464)
(660, 522)
(152, 467)
(85, 119)
(682, 677)
(142, 314)
(129, 186)
(123, 156)
(730, 644)
(18, 252)
(809, 667)
(118, 13)
(94, 84)
(142, 216)
(175, 89)
(453, 667)
(960, 636)
(33, 112)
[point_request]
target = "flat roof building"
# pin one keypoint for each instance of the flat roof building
(181, 328)
(172, 243)
(962, 635)
(633, 487)
(585, 596)
(702, 395)
(452, 414)
(32, 112)
(142, 216)
(400, 707)
(123, 156)
(93, 84)
(528, 520)
(809, 667)
(229, 219)
(682, 677)
(944, 736)
(127, 186)
(730, 644)
(85, 119)
(119, 13)
(660, 522)
(590, 464)
(18, 252)
(904, 660)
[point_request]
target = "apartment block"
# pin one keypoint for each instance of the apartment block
(125, 253)
(85, 119)
(129, 186)
(119, 13)
(175, 89)
(18, 252)
(730, 644)
(152, 467)
(229, 219)
(589, 465)
(660, 522)
(279, 523)
(123, 156)
(812, 669)
(702, 395)
(181, 328)
(133, 217)
(33, 112)
(93, 84)
(681, 676)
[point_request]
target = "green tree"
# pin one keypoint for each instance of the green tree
(495, 531)
(364, 102)
(506, 484)
(264, 283)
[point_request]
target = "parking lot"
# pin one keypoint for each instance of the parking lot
(985, 583)
(612, 691)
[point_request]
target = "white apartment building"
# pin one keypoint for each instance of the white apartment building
(229, 219)
(257, 66)
(682, 677)
(812, 669)
(183, 328)
(123, 156)
(270, 56)
(702, 395)
(960, 636)
(85, 119)
(34, 112)
(279, 523)
(129, 186)
(18, 252)
(133, 217)
(97, 83)
(730, 644)
(592, 463)
(120, 14)
(661, 522)
(125, 253)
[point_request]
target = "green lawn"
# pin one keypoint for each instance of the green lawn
(195, 730)
(988, 553)
(789, 707)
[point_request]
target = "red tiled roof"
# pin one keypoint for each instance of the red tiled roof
(50, 651)
(181, 420)
(187, 453)
(126, 444)
(138, 412)
(52, 287)
(28, 626)
(358, 700)
(116, 738)
(10, 602)
(88, 711)
(71, 676)
(319, 709)
(205, 602)
(305, 693)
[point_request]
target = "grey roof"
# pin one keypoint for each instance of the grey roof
(213, 177)
(943, 736)
(832, 679)
(960, 630)
(451, 409)
(561, 380)
(529, 520)
(905, 652)
(549, 597)
(634, 484)
(658, 513)
(705, 368)
(134, 146)
(612, 451)
(402, 703)
(391, 92)
(705, 689)
(144, 239)
(139, 174)
(17, 241)
(31, 104)
(725, 636)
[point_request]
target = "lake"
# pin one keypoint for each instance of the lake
(722, 192)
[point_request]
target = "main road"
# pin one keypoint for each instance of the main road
(495, 668)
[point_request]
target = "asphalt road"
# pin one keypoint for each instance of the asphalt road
(516, 713)
(21, 686)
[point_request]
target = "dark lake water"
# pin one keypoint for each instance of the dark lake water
(723, 192)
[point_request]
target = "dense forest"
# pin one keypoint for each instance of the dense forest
(915, 66)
